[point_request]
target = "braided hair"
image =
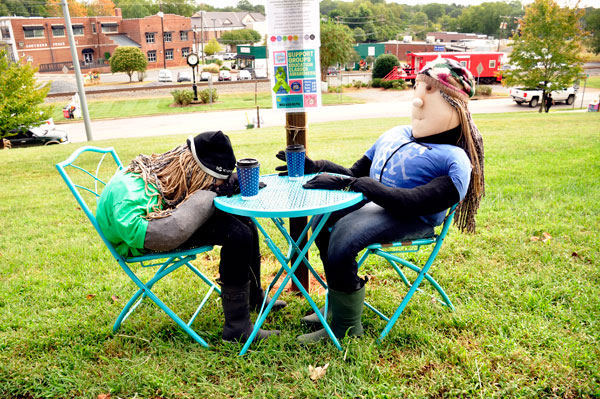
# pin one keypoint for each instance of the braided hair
(456, 85)
(173, 175)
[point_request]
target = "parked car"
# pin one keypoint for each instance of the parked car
(229, 56)
(260, 73)
(244, 74)
(534, 96)
(224, 75)
(164, 75)
(205, 76)
(44, 134)
(184, 76)
(332, 71)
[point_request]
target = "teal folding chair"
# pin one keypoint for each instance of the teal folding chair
(390, 252)
(86, 172)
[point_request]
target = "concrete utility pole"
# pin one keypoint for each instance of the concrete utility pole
(162, 33)
(202, 33)
(78, 79)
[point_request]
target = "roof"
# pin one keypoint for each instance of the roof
(227, 20)
(123, 40)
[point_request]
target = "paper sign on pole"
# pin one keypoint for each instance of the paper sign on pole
(293, 33)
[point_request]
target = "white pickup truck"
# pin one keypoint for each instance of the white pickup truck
(534, 96)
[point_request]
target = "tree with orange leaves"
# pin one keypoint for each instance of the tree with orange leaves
(101, 8)
(76, 9)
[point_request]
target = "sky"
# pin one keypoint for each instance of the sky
(583, 3)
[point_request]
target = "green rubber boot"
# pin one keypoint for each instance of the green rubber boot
(313, 322)
(346, 312)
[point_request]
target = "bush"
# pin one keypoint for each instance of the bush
(183, 97)
(225, 68)
(357, 84)
(384, 64)
(204, 95)
(483, 90)
(376, 82)
(213, 68)
(334, 89)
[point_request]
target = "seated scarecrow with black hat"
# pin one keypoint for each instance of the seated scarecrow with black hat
(162, 202)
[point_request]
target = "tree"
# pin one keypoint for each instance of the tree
(547, 53)
(76, 9)
(240, 36)
(359, 35)
(21, 97)
(592, 25)
(129, 60)
(101, 8)
(384, 64)
(212, 47)
(336, 45)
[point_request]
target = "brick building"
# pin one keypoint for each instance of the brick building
(178, 38)
(43, 41)
(400, 49)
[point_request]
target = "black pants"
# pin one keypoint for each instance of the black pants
(238, 238)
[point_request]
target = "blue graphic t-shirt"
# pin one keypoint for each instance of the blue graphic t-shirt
(409, 164)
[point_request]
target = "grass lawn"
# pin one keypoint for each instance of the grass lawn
(592, 82)
(527, 319)
(122, 108)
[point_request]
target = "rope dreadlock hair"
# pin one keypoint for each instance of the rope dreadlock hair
(456, 86)
(175, 176)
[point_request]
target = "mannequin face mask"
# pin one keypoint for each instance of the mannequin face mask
(431, 114)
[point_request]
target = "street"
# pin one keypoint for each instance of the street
(388, 104)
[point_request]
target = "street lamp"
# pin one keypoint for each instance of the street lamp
(162, 33)
(193, 61)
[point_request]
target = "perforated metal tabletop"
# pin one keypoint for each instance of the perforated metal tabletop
(286, 198)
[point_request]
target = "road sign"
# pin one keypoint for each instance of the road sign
(65, 69)
(479, 69)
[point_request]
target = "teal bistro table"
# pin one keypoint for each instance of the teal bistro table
(285, 198)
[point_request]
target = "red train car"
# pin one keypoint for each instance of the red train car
(488, 64)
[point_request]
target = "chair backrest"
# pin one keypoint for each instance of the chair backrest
(86, 172)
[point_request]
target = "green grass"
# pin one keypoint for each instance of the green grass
(527, 319)
(122, 108)
(593, 82)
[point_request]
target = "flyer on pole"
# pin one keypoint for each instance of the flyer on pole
(293, 40)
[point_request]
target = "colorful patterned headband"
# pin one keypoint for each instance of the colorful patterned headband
(448, 76)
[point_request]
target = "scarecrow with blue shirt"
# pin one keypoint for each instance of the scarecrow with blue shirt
(409, 177)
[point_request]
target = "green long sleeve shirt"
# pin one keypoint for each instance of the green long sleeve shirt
(121, 212)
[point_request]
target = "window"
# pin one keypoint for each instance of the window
(78, 30)
(183, 35)
(492, 63)
(110, 28)
(185, 51)
(167, 37)
(58, 31)
(169, 54)
(149, 37)
(93, 27)
(152, 56)
(463, 64)
(32, 32)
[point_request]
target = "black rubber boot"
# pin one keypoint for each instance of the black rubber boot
(313, 322)
(257, 294)
(346, 312)
(236, 308)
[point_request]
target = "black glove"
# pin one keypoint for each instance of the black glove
(309, 165)
(329, 182)
(229, 187)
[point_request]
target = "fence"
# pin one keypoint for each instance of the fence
(58, 66)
